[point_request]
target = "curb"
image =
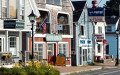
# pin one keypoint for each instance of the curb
(81, 71)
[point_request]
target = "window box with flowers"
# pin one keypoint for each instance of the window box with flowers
(6, 56)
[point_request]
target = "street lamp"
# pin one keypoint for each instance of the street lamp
(117, 62)
(32, 18)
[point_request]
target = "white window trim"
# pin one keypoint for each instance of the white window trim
(43, 47)
(84, 30)
(3, 44)
(63, 43)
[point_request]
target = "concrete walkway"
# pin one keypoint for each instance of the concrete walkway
(67, 70)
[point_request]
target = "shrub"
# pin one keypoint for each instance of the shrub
(33, 69)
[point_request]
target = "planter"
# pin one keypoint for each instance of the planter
(6, 56)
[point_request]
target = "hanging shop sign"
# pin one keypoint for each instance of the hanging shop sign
(59, 27)
(53, 37)
(9, 24)
(85, 42)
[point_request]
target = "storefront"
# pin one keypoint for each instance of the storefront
(100, 45)
(50, 46)
(85, 49)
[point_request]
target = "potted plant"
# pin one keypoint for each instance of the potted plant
(6, 56)
(30, 55)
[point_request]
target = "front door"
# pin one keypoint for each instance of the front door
(12, 45)
(51, 51)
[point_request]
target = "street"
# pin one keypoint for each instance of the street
(114, 71)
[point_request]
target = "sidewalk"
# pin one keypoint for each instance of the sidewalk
(67, 70)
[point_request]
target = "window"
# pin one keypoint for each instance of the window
(109, 28)
(4, 8)
(54, 2)
(107, 49)
(82, 30)
(12, 45)
(99, 48)
(10, 9)
(99, 29)
(39, 47)
(63, 48)
(50, 48)
(22, 9)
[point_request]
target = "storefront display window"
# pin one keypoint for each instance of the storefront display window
(63, 48)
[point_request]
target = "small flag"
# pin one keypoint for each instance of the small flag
(44, 25)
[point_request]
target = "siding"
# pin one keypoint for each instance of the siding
(112, 45)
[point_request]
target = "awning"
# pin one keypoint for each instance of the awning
(105, 41)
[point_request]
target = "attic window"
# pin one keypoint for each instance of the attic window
(54, 2)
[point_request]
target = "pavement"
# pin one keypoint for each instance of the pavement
(71, 69)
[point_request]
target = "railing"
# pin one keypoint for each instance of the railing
(65, 30)
(39, 28)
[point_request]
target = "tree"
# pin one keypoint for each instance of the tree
(112, 7)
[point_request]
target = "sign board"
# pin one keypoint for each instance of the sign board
(20, 25)
(53, 37)
(85, 42)
(59, 27)
(60, 61)
(96, 12)
(96, 19)
(9, 24)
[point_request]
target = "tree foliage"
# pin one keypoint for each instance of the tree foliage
(112, 7)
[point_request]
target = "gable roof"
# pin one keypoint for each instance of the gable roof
(79, 6)
(110, 20)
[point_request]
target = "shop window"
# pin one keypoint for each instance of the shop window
(107, 49)
(39, 47)
(63, 48)
(39, 28)
(54, 2)
(99, 29)
(62, 20)
(99, 48)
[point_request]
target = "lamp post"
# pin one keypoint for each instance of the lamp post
(32, 18)
(117, 62)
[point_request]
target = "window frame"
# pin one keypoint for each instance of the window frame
(99, 29)
(62, 51)
(99, 48)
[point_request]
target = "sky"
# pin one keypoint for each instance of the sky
(102, 2)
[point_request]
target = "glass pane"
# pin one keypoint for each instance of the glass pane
(13, 8)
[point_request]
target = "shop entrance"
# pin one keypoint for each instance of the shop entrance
(51, 52)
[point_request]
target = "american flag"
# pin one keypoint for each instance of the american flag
(44, 25)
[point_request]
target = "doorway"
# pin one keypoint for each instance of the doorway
(51, 52)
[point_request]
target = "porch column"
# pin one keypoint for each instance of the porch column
(6, 38)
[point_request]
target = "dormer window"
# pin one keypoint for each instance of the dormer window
(54, 2)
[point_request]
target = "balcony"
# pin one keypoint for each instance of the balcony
(65, 30)
(39, 28)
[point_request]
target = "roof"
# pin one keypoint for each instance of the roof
(78, 5)
(111, 20)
